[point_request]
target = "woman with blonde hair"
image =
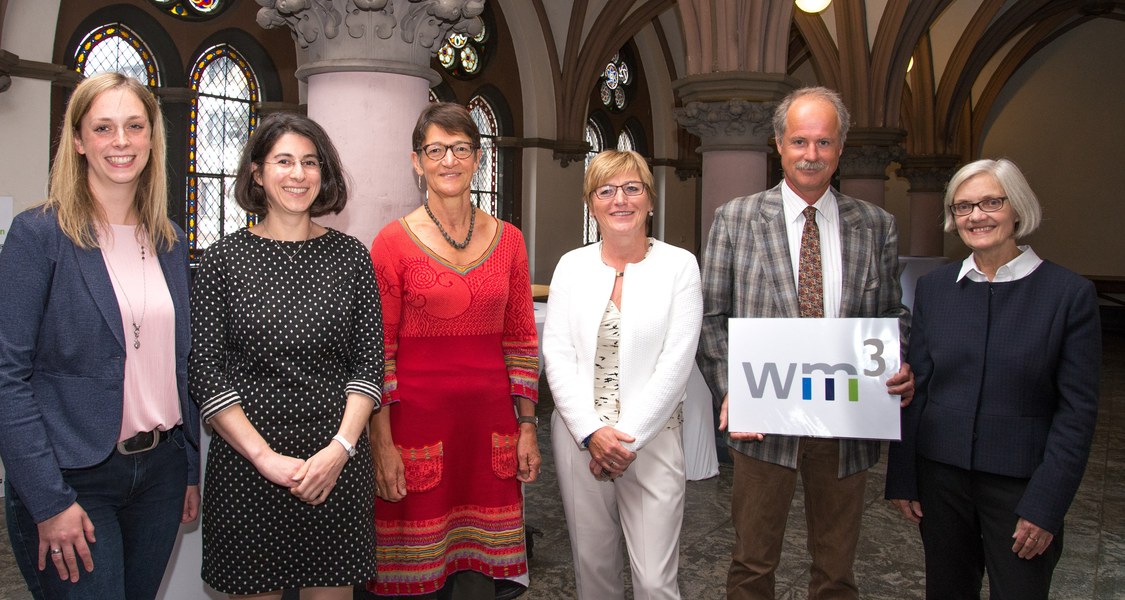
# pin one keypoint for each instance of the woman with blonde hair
(100, 438)
(623, 322)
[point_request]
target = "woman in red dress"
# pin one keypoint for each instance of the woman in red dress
(455, 438)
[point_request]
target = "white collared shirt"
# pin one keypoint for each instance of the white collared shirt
(1015, 269)
(831, 253)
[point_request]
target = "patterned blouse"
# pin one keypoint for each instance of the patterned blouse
(607, 364)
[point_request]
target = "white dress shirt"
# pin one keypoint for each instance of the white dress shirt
(831, 254)
(1015, 269)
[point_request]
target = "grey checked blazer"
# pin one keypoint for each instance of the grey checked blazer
(747, 272)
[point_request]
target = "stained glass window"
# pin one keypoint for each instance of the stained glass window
(193, 10)
(596, 140)
(114, 47)
(463, 55)
(615, 82)
(222, 117)
(625, 141)
(486, 181)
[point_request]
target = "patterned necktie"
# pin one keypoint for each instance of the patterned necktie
(810, 280)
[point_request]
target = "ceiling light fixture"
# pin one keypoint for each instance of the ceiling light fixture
(813, 6)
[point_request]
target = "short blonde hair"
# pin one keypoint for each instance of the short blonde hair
(611, 163)
(1016, 188)
(69, 191)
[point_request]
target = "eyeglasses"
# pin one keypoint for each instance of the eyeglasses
(629, 188)
(964, 209)
(287, 164)
(461, 150)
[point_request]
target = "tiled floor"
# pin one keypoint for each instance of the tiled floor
(890, 556)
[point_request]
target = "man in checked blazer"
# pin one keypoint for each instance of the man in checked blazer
(750, 269)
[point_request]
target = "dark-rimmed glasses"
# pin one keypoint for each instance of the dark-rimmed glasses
(461, 150)
(629, 188)
(964, 208)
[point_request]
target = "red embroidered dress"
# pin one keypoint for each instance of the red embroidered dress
(460, 344)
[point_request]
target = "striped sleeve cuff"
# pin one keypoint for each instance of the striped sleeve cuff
(367, 388)
(218, 404)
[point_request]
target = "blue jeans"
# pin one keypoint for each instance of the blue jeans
(135, 503)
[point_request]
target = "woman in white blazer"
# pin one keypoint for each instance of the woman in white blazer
(622, 326)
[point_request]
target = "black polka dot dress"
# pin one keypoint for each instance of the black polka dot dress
(287, 331)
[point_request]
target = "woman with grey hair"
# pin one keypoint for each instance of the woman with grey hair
(1006, 349)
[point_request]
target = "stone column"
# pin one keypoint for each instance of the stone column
(863, 166)
(732, 114)
(928, 176)
(366, 65)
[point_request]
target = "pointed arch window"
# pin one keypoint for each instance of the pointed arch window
(625, 141)
(114, 47)
(223, 115)
(595, 138)
(486, 181)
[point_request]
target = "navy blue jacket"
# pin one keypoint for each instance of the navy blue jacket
(62, 359)
(1006, 379)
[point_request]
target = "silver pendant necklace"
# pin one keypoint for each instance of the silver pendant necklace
(292, 257)
(144, 293)
(621, 273)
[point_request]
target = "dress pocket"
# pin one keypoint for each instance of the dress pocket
(423, 467)
(504, 455)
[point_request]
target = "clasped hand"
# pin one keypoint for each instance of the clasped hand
(309, 480)
(608, 458)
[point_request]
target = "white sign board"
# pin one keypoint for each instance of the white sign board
(814, 377)
(5, 223)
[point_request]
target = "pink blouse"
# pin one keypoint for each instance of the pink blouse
(151, 398)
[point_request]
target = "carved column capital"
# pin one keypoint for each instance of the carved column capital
(928, 173)
(869, 151)
(567, 151)
(728, 125)
(688, 170)
(395, 36)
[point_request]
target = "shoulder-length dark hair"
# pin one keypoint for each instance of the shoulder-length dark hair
(333, 181)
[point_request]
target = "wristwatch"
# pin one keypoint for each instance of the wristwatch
(532, 419)
(350, 449)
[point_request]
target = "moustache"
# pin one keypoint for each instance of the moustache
(811, 165)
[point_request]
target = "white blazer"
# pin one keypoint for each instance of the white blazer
(660, 323)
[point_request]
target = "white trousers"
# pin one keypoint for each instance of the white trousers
(646, 504)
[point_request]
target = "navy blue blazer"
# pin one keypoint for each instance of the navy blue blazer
(62, 359)
(1006, 382)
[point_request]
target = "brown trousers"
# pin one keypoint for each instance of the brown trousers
(761, 495)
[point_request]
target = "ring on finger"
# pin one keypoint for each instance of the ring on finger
(56, 551)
